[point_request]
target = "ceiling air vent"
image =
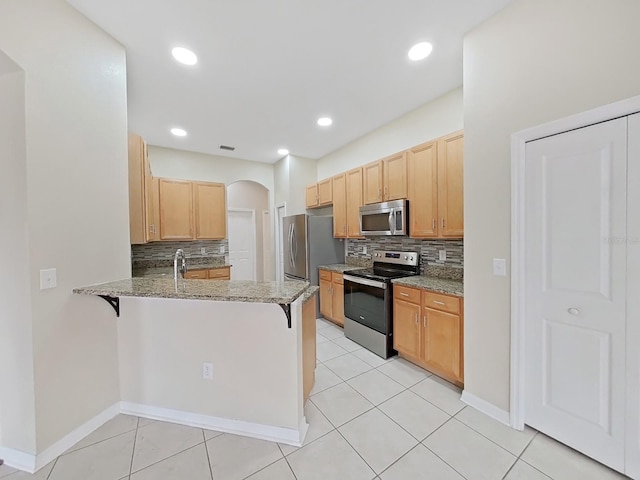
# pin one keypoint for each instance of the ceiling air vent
(227, 147)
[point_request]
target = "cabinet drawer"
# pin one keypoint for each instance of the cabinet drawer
(337, 278)
(219, 273)
(407, 294)
(198, 274)
(438, 301)
(325, 275)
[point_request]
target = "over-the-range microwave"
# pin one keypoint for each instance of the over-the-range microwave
(386, 218)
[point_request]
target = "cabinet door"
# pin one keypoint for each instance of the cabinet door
(153, 209)
(326, 300)
(372, 182)
(137, 178)
(210, 210)
(450, 186)
(196, 274)
(308, 346)
(442, 342)
(176, 207)
(337, 301)
(312, 196)
(406, 328)
(423, 191)
(222, 273)
(395, 177)
(353, 202)
(340, 206)
(325, 196)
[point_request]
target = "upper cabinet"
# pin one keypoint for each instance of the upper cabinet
(394, 169)
(372, 180)
(339, 185)
(210, 210)
(319, 194)
(347, 200)
(436, 188)
(176, 209)
(143, 207)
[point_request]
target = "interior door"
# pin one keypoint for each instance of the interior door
(576, 289)
(633, 301)
(242, 250)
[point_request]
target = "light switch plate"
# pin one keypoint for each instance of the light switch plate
(364, 249)
(221, 248)
(48, 278)
(442, 255)
(203, 250)
(499, 267)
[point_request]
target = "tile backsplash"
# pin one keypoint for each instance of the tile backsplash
(429, 249)
(164, 250)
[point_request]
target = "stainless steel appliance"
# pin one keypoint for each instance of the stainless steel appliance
(368, 299)
(386, 218)
(308, 242)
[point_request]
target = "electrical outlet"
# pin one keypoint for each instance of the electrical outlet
(221, 248)
(207, 371)
(203, 250)
(442, 255)
(364, 249)
(48, 278)
(499, 267)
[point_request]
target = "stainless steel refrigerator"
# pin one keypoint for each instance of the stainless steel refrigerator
(308, 242)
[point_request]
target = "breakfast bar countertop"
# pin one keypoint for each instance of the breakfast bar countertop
(216, 290)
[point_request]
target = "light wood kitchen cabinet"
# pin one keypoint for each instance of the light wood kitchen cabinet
(372, 180)
(218, 273)
(450, 185)
(319, 194)
(143, 207)
(210, 210)
(332, 296)
(428, 331)
(394, 185)
(354, 202)
(176, 209)
(340, 206)
(436, 188)
(308, 346)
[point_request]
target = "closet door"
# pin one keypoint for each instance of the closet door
(633, 301)
(575, 344)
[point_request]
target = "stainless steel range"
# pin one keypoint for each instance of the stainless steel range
(368, 299)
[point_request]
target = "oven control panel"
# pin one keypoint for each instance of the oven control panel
(396, 258)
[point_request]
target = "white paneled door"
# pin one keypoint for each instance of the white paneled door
(576, 243)
(242, 244)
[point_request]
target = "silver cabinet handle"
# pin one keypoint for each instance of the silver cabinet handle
(574, 311)
(443, 223)
(416, 319)
(404, 294)
(439, 303)
(424, 320)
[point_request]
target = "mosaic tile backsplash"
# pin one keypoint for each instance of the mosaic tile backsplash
(429, 250)
(166, 250)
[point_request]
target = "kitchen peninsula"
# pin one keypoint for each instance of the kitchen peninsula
(223, 355)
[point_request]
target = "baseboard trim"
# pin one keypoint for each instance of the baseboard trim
(32, 463)
(289, 436)
(487, 408)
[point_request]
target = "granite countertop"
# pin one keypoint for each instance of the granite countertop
(309, 292)
(435, 284)
(340, 267)
(220, 290)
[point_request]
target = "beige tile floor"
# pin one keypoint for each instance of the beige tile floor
(369, 419)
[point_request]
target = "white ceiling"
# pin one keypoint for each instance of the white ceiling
(269, 68)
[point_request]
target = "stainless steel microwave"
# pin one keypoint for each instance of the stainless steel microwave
(386, 218)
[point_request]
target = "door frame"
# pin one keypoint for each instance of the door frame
(254, 255)
(518, 244)
(278, 237)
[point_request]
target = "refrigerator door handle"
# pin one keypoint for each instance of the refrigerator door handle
(294, 245)
(291, 261)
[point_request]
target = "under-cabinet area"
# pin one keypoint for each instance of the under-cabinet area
(167, 209)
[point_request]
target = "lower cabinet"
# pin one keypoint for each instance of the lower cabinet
(308, 346)
(428, 331)
(220, 273)
(332, 296)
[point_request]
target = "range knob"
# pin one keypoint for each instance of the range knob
(406, 257)
(411, 258)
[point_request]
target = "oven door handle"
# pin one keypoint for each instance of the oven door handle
(364, 281)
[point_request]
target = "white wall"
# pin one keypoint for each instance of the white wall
(253, 196)
(536, 61)
(432, 120)
(292, 175)
(76, 206)
(17, 403)
(167, 162)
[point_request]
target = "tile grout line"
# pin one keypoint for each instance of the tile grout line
(206, 449)
(133, 451)
(442, 459)
(287, 461)
(52, 468)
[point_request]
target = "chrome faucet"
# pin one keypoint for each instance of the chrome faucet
(183, 264)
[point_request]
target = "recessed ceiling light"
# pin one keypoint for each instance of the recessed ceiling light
(283, 151)
(179, 132)
(184, 55)
(324, 121)
(420, 51)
